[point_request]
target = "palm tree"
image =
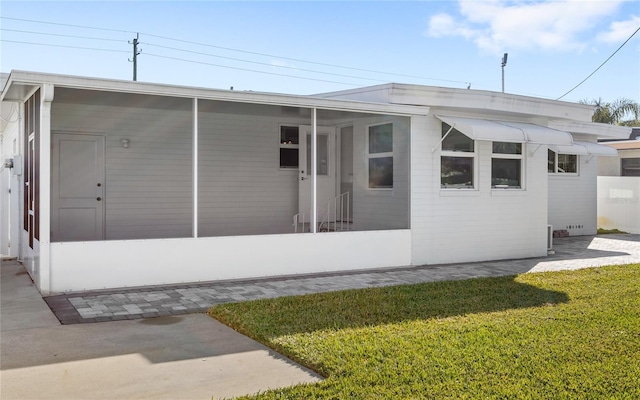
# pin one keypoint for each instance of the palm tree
(616, 112)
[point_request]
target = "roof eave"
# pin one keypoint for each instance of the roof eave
(601, 131)
(27, 79)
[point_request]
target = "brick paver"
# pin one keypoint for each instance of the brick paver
(154, 301)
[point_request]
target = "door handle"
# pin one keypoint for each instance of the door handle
(99, 198)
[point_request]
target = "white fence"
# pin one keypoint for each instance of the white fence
(619, 203)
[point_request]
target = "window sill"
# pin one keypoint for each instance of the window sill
(566, 175)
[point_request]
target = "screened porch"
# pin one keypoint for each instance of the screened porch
(136, 166)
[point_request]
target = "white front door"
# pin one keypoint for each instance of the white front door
(77, 187)
(325, 169)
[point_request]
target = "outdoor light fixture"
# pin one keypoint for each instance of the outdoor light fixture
(504, 62)
(125, 143)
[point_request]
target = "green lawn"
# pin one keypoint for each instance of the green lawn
(560, 335)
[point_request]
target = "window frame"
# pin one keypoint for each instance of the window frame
(458, 154)
(509, 156)
(623, 168)
(282, 146)
(556, 169)
(370, 156)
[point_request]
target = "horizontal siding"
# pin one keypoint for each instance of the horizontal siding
(148, 188)
(573, 199)
(375, 209)
(483, 224)
(242, 190)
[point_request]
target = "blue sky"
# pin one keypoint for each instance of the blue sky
(303, 47)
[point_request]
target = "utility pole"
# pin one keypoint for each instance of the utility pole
(136, 53)
(504, 62)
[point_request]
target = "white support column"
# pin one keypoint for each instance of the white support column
(20, 187)
(314, 172)
(195, 167)
(46, 98)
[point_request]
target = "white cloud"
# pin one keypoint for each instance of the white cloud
(620, 31)
(443, 25)
(500, 25)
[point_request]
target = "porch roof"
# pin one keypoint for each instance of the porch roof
(507, 131)
(22, 83)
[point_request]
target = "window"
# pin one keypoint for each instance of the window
(289, 144)
(551, 162)
(457, 161)
(506, 165)
(630, 167)
(562, 163)
(380, 156)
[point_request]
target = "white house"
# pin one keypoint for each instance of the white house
(113, 183)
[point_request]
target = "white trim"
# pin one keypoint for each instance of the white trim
(18, 78)
(195, 167)
(46, 97)
(314, 170)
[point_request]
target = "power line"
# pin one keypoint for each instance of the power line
(248, 52)
(59, 35)
(601, 65)
(304, 61)
(246, 69)
(262, 63)
(179, 59)
(60, 45)
(69, 25)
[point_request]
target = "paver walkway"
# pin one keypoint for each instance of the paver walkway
(154, 301)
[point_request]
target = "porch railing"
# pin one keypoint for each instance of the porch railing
(333, 216)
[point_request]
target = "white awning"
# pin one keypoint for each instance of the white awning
(506, 131)
(586, 149)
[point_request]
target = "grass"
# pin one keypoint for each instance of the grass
(560, 335)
